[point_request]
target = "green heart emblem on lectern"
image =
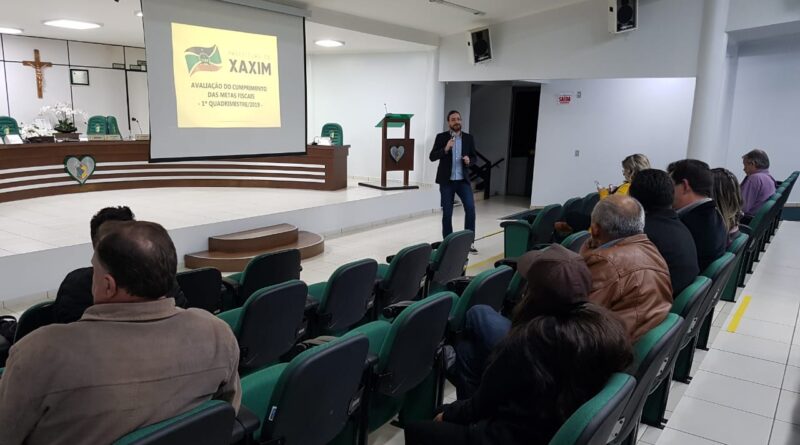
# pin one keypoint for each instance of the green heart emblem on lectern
(397, 152)
(80, 169)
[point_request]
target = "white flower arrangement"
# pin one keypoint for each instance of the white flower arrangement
(64, 115)
(28, 131)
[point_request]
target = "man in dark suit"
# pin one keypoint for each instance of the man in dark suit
(655, 191)
(455, 151)
(693, 187)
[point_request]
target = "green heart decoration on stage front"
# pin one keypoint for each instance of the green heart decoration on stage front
(397, 152)
(80, 169)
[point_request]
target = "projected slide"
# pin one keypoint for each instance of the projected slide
(225, 79)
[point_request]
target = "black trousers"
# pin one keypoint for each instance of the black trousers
(428, 432)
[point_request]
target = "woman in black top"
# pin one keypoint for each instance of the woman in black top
(559, 353)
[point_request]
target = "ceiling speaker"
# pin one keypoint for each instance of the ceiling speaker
(479, 46)
(622, 15)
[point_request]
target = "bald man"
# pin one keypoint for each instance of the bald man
(629, 276)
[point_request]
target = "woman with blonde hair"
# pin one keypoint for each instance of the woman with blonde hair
(630, 166)
(728, 196)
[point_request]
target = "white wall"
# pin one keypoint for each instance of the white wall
(574, 42)
(765, 110)
(490, 125)
(352, 89)
(458, 96)
(746, 14)
(612, 119)
(106, 95)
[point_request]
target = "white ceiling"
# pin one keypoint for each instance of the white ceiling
(355, 42)
(121, 26)
(436, 18)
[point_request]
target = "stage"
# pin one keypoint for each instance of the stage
(42, 239)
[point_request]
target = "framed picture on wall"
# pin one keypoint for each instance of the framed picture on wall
(79, 77)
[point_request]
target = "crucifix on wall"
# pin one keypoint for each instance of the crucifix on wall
(38, 65)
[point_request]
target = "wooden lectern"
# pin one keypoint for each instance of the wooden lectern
(396, 154)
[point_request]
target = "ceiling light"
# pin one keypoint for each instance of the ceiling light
(457, 6)
(72, 24)
(328, 43)
(138, 13)
(4, 30)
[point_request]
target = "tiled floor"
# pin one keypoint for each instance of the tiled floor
(746, 388)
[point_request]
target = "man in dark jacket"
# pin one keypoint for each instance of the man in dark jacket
(455, 151)
(693, 187)
(655, 191)
(75, 293)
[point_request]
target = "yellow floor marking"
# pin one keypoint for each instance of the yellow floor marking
(737, 317)
(485, 262)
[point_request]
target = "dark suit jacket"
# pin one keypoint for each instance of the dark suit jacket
(708, 230)
(446, 159)
(75, 296)
(675, 243)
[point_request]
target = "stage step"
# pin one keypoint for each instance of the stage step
(251, 240)
(240, 248)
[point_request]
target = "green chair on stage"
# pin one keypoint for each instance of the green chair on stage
(111, 125)
(8, 125)
(333, 131)
(97, 125)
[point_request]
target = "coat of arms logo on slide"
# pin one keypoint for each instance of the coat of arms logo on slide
(79, 168)
(199, 58)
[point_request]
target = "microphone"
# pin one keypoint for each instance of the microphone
(138, 124)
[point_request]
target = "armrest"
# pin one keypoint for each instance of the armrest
(392, 311)
(510, 262)
(436, 245)
(540, 246)
(744, 228)
(246, 423)
(311, 305)
(372, 360)
(389, 259)
(458, 284)
(230, 285)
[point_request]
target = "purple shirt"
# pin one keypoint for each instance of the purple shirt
(756, 190)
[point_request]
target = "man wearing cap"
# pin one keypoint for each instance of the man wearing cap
(554, 274)
(629, 276)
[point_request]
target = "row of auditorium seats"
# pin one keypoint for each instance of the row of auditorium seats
(95, 126)
(384, 358)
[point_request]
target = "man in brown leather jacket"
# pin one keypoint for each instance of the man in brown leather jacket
(629, 276)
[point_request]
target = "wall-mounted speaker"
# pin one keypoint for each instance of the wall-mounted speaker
(622, 15)
(479, 46)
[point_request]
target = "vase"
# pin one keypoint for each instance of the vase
(41, 139)
(59, 136)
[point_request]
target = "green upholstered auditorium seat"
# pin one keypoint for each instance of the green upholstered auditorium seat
(402, 278)
(8, 125)
(653, 353)
(112, 127)
(575, 241)
(738, 247)
(333, 131)
(488, 287)
(97, 125)
(719, 271)
(344, 299)
(202, 288)
(211, 423)
(36, 316)
(688, 305)
(310, 399)
(406, 378)
(597, 421)
(268, 324)
(448, 261)
(520, 236)
(262, 271)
